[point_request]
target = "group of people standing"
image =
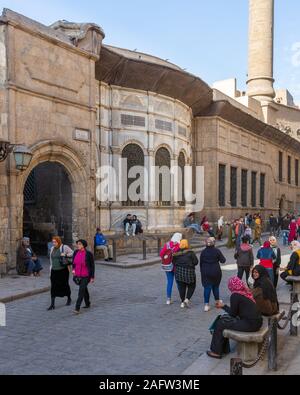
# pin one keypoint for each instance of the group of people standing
(182, 269)
(247, 304)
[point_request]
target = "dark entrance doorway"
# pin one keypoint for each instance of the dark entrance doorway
(47, 206)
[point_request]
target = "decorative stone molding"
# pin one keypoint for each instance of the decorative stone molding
(87, 36)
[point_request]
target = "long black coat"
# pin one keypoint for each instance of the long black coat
(210, 259)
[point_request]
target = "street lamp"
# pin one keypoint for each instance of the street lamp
(22, 154)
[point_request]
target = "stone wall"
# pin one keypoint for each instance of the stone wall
(51, 106)
(220, 142)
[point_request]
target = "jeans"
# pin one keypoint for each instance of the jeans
(186, 291)
(196, 227)
(285, 237)
(241, 271)
(29, 266)
(170, 282)
(83, 293)
(271, 274)
(37, 267)
(207, 291)
(130, 228)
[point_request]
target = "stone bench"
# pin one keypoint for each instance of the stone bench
(247, 342)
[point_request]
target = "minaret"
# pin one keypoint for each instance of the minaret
(261, 43)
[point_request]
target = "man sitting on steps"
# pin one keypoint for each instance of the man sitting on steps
(100, 243)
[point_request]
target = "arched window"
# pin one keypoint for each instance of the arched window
(163, 177)
(181, 165)
(135, 157)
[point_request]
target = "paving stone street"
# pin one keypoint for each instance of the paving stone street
(129, 329)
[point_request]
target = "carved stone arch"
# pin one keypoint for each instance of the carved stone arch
(132, 101)
(69, 159)
(166, 146)
(135, 157)
(163, 107)
(163, 158)
(133, 141)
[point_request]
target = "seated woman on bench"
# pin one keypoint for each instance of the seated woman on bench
(242, 315)
(264, 292)
(293, 268)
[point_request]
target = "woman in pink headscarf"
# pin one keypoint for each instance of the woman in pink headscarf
(242, 315)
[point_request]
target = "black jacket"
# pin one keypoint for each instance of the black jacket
(89, 262)
(243, 308)
(210, 259)
(294, 265)
(185, 258)
(277, 262)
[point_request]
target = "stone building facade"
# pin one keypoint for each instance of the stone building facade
(79, 104)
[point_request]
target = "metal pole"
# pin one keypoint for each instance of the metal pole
(272, 346)
(114, 251)
(158, 246)
(236, 367)
(293, 328)
(144, 249)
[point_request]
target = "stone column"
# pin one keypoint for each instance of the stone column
(261, 42)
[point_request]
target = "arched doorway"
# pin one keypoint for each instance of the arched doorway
(47, 205)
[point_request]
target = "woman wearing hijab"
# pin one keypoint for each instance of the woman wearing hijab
(244, 317)
(264, 292)
(84, 273)
(211, 273)
(257, 230)
(231, 235)
(171, 247)
(59, 273)
(185, 262)
(277, 260)
(266, 256)
(293, 267)
(220, 228)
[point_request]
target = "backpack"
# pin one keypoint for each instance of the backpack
(166, 259)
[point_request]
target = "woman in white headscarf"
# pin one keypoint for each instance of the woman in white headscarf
(220, 228)
(166, 254)
(293, 267)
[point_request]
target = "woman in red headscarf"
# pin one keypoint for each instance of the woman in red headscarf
(242, 315)
(267, 256)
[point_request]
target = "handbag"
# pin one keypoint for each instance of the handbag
(77, 280)
(225, 318)
(65, 261)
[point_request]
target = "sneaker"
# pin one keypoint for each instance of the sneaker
(219, 303)
(128, 234)
(206, 308)
(187, 303)
(169, 302)
(182, 305)
(76, 312)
